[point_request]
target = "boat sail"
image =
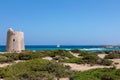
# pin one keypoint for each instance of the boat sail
(58, 45)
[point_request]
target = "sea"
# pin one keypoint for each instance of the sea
(91, 48)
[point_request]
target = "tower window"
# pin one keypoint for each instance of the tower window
(13, 40)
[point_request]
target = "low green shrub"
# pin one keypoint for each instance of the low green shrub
(112, 56)
(90, 59)
(35, 76)
(97, 74)
(4, 59)
(105, 62)
(2, 72)
(61, 53)
(75, 51)
(74, 60)
(27, 56)
(58, 58)
(108, 77)
(35, 69)
(117, 72)
(14, 56)
(79, 51)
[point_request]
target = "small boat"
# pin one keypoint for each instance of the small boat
(58, 45)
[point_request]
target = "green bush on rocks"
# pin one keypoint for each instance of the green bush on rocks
(35, 69)
(79, 51)
(74, 60)
(4, 59)
(108, 77)
(97, 74)
(112, 56)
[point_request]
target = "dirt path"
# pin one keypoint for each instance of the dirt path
(75, 54)
(82, 67)
(116, 62)
(62, 79)
(9, 64)
(102, 55)
(48, 58)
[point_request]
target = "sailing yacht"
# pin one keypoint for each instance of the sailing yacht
(58, 45)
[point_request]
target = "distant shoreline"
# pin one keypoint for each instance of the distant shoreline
(67, 47)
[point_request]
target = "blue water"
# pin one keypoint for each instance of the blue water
(64, 47)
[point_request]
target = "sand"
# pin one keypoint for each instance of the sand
(5, 64)
(102, 55)
(84, 67)
(48, 58)
(116, 61)
(9, 64)
(75, 54)
(2, 52)
(62, 79)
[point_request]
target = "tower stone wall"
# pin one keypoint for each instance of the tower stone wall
(15, 41)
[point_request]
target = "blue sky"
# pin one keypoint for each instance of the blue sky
(68, 22)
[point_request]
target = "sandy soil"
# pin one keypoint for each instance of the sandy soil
(2, 52)
(5, 64)
(82, 67)
(102, 55)
(62, 79)
(48, 58)
(116, 61)
(9, 64)
(75, 54)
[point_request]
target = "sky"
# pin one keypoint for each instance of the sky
(66, 22)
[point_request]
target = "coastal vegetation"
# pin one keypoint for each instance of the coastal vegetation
(98, 74)
(88, 58)
(113, 56)
(79, 51)
(39, 69)
(33, 66)
(36, 69)
(59, 55)
(28, 55)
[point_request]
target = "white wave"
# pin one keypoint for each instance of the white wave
(90, 49)
(67, 49)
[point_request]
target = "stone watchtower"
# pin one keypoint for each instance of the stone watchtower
(15, 41)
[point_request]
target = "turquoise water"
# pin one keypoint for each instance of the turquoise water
(64, 47)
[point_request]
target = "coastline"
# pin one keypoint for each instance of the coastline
(93, 48)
